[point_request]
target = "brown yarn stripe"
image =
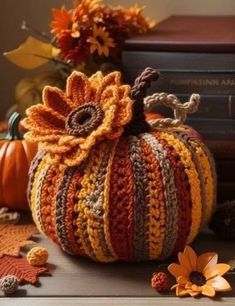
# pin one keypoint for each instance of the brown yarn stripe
(61, 206)
(32, 170)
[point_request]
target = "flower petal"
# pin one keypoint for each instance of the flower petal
(112, 79)
(208, 290)
(78, 88)
(124, 91)
(44, 120)
(209, 270)
(203, 260)
(182, 280)
(219, 284)
(177, 270)
(124, 112)
(184, 261)
(218, 269)
(181, 291)
(109, 97)
(95, 82)
(55, 98)
(192, 257)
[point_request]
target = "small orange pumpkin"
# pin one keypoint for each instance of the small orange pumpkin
(16, 155)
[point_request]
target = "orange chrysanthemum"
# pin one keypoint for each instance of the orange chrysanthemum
(100, 41)
(85, 10)
(68, 125)
(135, 19)
(199, 274)
(62, 20)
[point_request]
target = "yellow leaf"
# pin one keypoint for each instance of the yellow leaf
(31, 54)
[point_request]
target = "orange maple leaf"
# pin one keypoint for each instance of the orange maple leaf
(20, 268)
(13, 237)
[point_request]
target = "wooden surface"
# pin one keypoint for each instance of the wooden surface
(79, 281)
(188, 33)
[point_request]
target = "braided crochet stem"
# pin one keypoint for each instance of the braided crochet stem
(142, 83)
(181, 110)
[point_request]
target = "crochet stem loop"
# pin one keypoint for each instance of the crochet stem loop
(138, 93)
(181, 110)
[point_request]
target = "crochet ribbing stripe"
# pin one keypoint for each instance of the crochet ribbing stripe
(95, 201)
(185, 138)
(183, 195)
(50, 187)
(194, 180)
(36, 193)
(140, 195)
(121, 202)
(32, 170)
(208, 177)
(171, 205)
(71, 216)
(206, 167)
(61, 206)
(154, 202)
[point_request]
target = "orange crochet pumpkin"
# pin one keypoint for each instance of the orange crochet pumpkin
(16, 155)
(109, 185)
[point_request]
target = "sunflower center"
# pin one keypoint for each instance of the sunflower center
(84, 119)
(100, 40)
(197, 278)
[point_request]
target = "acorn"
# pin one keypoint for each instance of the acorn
(160, 281)
(9, 284)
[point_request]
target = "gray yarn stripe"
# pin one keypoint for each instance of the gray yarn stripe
(140, 243)
(171, 202)
(95, 202)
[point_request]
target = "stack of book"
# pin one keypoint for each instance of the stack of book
(195, 54)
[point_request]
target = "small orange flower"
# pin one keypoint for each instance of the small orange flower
(135, 19)
(100, 41)
(199, 274)
(62, 20)
(68, 125)
(85, 10)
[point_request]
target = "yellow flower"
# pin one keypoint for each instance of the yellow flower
(69, 124)
(199, 274)
(100, 41)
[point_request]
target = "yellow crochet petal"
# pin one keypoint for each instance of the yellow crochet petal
(78, 88)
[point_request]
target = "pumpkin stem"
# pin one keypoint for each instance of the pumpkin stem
(138, 123)
(13, 127)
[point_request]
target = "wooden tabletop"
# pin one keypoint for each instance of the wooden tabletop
(79, 281)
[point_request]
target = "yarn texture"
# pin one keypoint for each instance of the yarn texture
(9, 284)
(37, 256)
(160, 281)
(102, 189)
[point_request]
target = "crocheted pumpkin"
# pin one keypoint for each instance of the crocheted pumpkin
(108, 185)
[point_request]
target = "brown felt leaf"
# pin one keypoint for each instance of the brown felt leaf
(13, 237)
(20, 267)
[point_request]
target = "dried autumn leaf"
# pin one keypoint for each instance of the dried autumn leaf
(32, 53)
(20, 268)
(13, 237)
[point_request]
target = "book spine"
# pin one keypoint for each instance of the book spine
(213, 129)
(211, 106)
(184, 72)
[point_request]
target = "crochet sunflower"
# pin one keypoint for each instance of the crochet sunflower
(197, 275)
(69, 124)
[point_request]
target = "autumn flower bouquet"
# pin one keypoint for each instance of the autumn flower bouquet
(88, 37)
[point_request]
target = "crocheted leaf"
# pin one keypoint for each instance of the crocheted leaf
(13, 237)
(20, 267)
